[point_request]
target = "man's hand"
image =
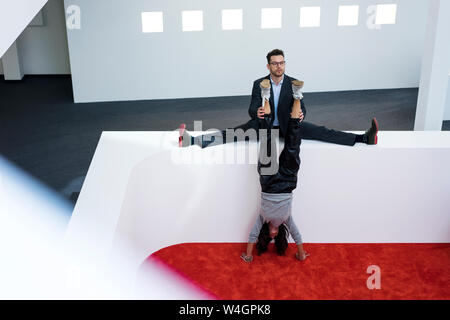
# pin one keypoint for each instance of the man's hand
(260, 113)
(297, 115)
(301, 115)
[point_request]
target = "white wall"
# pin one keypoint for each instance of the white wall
(111, 59)
(14, 17)
(44, 49)
(447, 101)
(430, 109)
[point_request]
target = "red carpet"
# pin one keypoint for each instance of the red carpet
(332, 271)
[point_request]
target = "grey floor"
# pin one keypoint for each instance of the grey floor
(43, 132)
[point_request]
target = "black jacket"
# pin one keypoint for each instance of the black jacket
(285, 102)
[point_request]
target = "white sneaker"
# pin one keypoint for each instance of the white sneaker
(265, 89)
(297, 86)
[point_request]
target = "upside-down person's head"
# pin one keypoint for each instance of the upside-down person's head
(275, 62)
(269, 232)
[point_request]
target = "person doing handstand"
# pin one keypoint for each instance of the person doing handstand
(275, 220)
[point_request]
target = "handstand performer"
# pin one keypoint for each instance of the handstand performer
(275, 219)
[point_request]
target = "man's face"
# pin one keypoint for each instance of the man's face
(276, 65)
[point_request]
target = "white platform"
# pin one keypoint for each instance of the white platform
(142, 192)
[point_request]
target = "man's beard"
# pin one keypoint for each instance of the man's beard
(278, 73)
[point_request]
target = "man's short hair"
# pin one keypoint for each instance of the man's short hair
(274, 52)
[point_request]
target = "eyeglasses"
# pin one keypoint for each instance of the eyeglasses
(278, 63)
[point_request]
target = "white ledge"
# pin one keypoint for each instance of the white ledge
(394, 192)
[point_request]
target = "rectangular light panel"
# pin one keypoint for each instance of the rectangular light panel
(386, 14)
(309, 17)
(152, 21)
(271, 18)
(348, 15)
(192, 20)
(232, 19)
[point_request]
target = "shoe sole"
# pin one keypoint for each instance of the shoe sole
(181, 129)
(376, 125)
(298, 83)
(265, 84)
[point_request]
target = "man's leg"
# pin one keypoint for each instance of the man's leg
(311, 131)
(244, 132)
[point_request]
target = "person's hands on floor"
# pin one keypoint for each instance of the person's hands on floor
(246, 258)
(302, 257)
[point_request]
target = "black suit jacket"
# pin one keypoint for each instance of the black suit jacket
(284, 103)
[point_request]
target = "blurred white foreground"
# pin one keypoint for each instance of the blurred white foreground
(37, 262)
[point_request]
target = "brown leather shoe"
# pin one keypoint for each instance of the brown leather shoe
(371, 134)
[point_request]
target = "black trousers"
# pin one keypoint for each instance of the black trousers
(279, 175)
(309, 131)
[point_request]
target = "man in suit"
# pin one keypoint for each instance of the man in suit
(281, 100)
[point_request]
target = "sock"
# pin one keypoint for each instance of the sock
(198, 140)
(359, 138)
(201, 142)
